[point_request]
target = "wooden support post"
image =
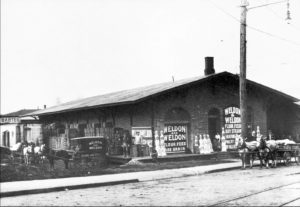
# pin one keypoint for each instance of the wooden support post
(152, 126)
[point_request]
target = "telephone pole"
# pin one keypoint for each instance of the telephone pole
(242, 88)
(243, 47)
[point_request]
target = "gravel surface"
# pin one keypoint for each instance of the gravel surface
(204, 189)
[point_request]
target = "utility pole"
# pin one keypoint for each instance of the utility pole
(243, 62)
(242, 88)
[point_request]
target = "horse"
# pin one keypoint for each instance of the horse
(28, 153)
(247, 148)
(39, 153)
(16, 149)
(268, 150)
(53, 155)
(5, 152)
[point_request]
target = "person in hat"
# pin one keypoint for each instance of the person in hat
(251, 137)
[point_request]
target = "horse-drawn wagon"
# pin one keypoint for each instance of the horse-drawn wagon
(89, 150)
(286, 152)
(282, 151)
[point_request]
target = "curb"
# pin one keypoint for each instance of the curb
(62, 188)
(91, 185)
(228, 169)
(221, 170)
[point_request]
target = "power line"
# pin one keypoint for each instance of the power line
(255, 29)
(224, 11)
(282, 18)
(267, 4)
(272, 35)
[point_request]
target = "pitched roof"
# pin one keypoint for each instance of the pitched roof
(138, 94)
(19, 113)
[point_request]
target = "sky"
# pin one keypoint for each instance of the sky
(54, 51)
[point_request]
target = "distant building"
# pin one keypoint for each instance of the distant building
(17, 127)
(170, 116)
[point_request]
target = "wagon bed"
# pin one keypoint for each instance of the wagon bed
(286, 152)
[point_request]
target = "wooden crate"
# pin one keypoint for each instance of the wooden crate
(134, 151)
(144, 151)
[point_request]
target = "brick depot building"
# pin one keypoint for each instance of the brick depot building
(173, 113)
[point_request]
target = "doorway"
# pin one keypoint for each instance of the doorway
(214, 125)
(5, 139)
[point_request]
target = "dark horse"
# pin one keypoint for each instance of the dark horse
(53, 155)
(245, 149)
(267, 151)
(5, 152)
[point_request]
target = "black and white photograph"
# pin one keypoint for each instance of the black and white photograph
(150, 103)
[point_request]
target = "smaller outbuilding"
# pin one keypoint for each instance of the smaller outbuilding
(18, 127)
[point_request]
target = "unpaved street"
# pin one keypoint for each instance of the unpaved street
(280, 186)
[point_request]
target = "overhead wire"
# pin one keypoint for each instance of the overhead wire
(275, 36)
(282, 18)
(263, 5)
(255, 29)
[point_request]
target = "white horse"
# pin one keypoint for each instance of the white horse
(39, 153)
(28, 153)
(15, 149)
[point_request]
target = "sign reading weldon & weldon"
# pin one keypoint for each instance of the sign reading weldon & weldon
(175, 136)
(232, 125)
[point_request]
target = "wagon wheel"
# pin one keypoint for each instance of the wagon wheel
(287, 158)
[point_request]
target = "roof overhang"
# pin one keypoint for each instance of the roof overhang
(61, 109)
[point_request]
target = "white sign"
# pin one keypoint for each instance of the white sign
(232, 125)
(142, 131)
(9, 120)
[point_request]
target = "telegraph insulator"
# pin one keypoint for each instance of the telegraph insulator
(288, 13)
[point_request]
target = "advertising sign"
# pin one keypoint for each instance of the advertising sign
(143, 131)
(232, 125)
(9, 120)
(95, 145)
(91, 145)
(175, 136)
(144, 134)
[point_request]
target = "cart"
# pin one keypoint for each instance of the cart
(89, 150)
(286, 153)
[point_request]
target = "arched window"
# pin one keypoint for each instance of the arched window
(177, 115)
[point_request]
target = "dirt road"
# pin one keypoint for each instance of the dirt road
(275, 187)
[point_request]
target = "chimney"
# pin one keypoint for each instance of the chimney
(209, 66)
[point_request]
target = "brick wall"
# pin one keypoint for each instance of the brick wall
(196, 100)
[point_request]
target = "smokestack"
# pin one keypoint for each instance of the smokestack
(45, 106)
(209, 66)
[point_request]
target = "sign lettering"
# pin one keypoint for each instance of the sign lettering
(175, 136)
(9, 120)
(232, 125)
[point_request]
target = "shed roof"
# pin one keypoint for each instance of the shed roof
(138, 94)
(19, 113)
